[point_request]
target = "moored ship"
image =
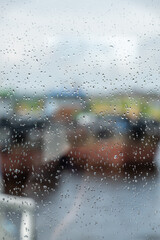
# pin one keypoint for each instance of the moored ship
(133, 143)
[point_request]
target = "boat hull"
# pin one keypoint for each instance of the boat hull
(115, 152)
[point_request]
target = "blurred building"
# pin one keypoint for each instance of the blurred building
(6, 105)
(133, 105)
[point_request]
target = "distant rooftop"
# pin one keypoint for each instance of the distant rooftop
(67, 94)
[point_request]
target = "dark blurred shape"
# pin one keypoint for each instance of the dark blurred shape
(143, 127)
(117, 141)
(137, 129)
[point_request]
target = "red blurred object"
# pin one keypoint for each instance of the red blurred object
(20, 160)
(115, 152)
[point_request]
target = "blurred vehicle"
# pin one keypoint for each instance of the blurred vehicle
(119, 142)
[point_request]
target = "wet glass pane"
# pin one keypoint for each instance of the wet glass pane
(79, 119)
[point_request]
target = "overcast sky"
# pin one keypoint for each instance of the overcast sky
(100, 45)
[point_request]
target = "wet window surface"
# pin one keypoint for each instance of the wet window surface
(79, 120)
